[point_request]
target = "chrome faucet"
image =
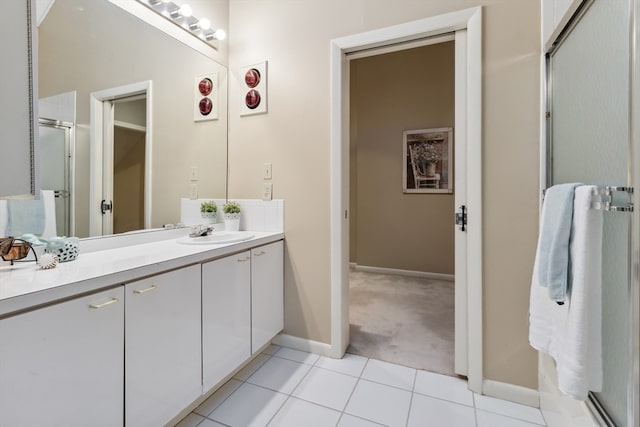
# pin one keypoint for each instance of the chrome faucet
(200, 230)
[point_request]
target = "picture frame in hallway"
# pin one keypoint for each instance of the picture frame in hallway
(427, 160)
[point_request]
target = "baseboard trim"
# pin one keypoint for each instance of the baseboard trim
(303, 344)
(512, 393)
(400, 272)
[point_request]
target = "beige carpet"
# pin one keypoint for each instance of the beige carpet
(404, 320)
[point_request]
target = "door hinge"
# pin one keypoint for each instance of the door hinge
(461, 218)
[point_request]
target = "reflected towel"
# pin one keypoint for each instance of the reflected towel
(571, 333)
(553, 242)
(25, 216)
(47, 199)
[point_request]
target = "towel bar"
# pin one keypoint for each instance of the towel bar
(607, 203)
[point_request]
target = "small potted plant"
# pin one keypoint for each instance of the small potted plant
(231, 212)
(208, 211)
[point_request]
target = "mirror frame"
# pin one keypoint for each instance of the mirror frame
(25, 182)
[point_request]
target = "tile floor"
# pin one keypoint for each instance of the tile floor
(289, 388)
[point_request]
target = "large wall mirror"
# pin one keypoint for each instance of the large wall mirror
(95, 57)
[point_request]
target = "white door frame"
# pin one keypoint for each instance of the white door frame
(468, 116)
(100, 104)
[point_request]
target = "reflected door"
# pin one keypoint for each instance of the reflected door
(590, 144)
(55, 153)
(125, 161)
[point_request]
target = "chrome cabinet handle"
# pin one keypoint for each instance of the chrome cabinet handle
(245, 259)
(104, 304)
(142, 291)
(260, 253)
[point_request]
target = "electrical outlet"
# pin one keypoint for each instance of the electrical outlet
(267, 191)
(194, 191)
(266, 174)
(194, 173)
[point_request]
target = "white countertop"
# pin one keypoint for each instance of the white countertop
(24, 285)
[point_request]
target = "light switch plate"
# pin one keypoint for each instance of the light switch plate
(266, 174)
(267, 191)
(193, 194)
(194, 173)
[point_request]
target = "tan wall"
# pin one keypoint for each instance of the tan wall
(101, 47)
(294, 36)
(128, 180)
(410, 89)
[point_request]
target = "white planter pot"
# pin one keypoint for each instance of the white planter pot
(208, 217)
(232, 222)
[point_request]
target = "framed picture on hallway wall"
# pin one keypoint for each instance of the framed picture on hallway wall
(427, 160)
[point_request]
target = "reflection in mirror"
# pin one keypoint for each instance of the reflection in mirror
(90, 46)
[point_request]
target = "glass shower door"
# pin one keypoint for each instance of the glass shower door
(590, 144)
(54, 170)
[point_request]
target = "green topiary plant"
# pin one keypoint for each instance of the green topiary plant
(231, 208)
(208, 207)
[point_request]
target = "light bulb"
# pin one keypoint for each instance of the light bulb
(186, 11)
(204, 24)
(220, 35)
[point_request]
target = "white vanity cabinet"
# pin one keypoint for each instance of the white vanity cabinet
(226, 316)
(62, 365)
(267, 293)
(162, 346)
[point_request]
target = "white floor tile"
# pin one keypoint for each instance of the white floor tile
(279, 374)
(489, 419)
(297, 413)
(191, 420)
(510, 409)
(443, 387)
(350, 364)
(326, 388)
(428, 411)
(389, 374)
(217, 398)
(251, 367)
(297, 355)
(271, 350)
(351, 421)
(380, 403)
(208, 423)
(249, 406)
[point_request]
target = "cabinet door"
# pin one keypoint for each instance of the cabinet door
(62, 365)
(162, 346)
(267, 293)
(226, 316)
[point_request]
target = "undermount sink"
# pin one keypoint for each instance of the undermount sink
(217, 237)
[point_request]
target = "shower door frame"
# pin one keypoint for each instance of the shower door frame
(633, 291)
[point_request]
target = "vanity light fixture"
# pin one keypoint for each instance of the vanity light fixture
(183, 17)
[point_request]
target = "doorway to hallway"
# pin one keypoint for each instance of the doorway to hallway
(466, 25)
(399, 227)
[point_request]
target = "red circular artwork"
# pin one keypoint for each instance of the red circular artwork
(206, 106)
(252, 99)
(205, 86)
(252, 77)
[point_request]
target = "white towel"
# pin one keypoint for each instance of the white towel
(571, 333)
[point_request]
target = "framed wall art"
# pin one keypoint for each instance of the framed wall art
(205, 104)
(254, 85)
(427, 160)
